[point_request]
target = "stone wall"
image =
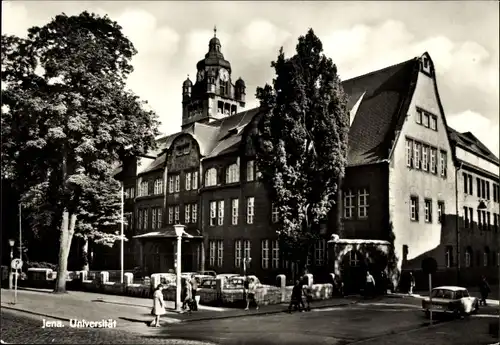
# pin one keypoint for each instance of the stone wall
(220, 296)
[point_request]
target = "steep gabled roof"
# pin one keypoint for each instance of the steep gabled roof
(470, 142)
(386, 98)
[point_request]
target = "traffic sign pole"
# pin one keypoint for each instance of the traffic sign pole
(15, 287)
(430, 297)
(16, 265)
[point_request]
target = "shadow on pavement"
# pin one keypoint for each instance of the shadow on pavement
(134, 320)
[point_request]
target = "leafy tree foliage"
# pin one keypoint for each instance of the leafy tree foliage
(301, 142)
(67, 118)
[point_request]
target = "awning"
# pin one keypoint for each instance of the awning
(167, 233)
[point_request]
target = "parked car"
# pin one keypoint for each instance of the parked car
(209, 283)
(453, 300)
(207, 273)
(226, 276)
(237, 282)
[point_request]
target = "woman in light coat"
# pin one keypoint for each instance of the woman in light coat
(158, 306)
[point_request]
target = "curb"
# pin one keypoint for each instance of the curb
(35, 313)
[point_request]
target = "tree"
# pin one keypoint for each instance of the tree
(67, 118)
(301, 143)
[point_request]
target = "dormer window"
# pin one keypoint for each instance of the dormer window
(211, 177)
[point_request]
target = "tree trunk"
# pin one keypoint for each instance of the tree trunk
(86, 262)
(67, 231)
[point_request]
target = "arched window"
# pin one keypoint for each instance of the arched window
(232, 174)
(468, 257)
(211, 177)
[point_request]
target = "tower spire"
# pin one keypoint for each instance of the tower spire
(215, 31)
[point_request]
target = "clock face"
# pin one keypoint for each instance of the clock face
(223, 74)
(201, 75)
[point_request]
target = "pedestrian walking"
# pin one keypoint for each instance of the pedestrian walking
(484, 289)
(188, 297)
(370, 285)
(306, 294)
(412, 284)
(296, 300)
(158, 306)
(252, 287)
(194, 289)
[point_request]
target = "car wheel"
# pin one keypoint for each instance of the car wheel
(476, 308)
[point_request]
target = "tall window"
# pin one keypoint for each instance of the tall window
(170, 184)
(212, 255)
(434, 122)
(495, 221)
(232, 173)
(448, 256)
(265, 254)
(468, 257)
(418, 119)
(416, 154)
(465, 179)
(414, 208)
(176, 214)
(471, 217)
(487, 190)
(274, 213)
(276, 254)
(319, 252)
(246, 249)
(234, 211)
(428, 211)
(153, 218)
(213, 212)
(348, 204)
(426, 120)
(425, 157)
(194, 182)
(159, 218)
(443, 163)
(237, 253)
(144, 188)
(187, 181)
(250, 209)
(478, 183)
(211, 177)
(441, 211)
(409, 153)
(220, 252)
(250, 170)
(170, 215)
(177, 183)
(486, 255)
(363, 203)
(467, 221)
(139, 219)
(194, 213)
(479, 218)
(220, 213)
(433, 160)
(488, 220)
(158, 187)
(187, 213)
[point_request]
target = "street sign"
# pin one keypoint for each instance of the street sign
(16, 264)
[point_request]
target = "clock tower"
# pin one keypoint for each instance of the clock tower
(213, 95)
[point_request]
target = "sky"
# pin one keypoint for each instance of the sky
(171, 37)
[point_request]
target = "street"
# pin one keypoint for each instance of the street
(386, 321)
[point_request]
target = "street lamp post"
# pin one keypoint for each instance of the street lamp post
(11, 276)
(179, 230)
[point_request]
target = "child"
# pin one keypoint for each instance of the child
(158, 306)
(307, 293)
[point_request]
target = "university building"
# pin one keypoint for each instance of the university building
(408, 174)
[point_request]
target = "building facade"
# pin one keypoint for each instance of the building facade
(404, 179)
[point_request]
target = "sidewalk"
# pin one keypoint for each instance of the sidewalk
(127, 311)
